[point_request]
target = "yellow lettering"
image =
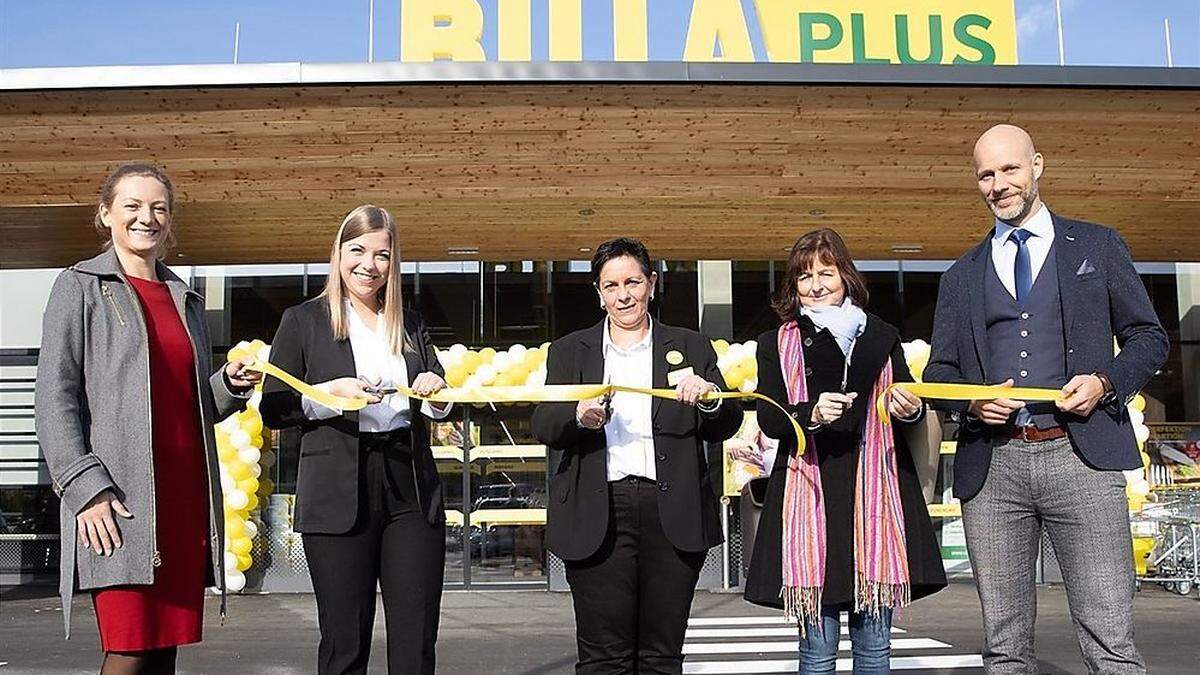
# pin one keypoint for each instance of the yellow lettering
(441, 29)
(515, 40)
(566, 30)
(718, 21)
(630, 42)
(779, 21)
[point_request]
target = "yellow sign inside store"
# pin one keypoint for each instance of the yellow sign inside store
(981, 32)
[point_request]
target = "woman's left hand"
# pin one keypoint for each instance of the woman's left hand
(903, 405)
(692, 388)
(427, 383)
(238, 377)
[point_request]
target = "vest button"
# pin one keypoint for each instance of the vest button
(807, 342)
(1024, 315)
(808, 371)
(1024, 354)
(1024, 373)
(1024, 333)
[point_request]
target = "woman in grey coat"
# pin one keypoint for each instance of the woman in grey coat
(125, 410)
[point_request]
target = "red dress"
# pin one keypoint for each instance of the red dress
(170, 612)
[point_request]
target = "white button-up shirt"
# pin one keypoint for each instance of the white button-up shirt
(629, 432)
(374, 361)
(1004, 252)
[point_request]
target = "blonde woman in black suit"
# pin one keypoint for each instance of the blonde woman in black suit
(368, 496)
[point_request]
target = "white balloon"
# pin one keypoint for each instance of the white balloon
(230, 424)
(230, 559)
(459, 350)
(752, 346)
(235, 581)
(1133, 475)
(518, 351)
(228, 484)
(724, 362)
(1137, 417)
(255, 400)
(501, 361)
(537, 378)
(251, 528)
(255, 470)
(236, 499)
(239, 439)
(1142, 433)
(250, 455)
(486, 374)
(748, 385)
(735, 352)
(473, 381)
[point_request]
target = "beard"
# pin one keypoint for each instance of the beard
(1024, 200)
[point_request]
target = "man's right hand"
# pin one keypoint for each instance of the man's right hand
(591, 413)
(997, 411)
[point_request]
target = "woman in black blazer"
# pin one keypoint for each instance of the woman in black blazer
(632, 510)
(368, 496)
(844, 351)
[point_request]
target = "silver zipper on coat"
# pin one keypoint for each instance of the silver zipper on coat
(155, 555)
(107, 292)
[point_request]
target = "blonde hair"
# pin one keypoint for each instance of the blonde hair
(360, 221)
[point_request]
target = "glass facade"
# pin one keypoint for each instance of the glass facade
(493, 471)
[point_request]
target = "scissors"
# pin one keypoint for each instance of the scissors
(606, 401)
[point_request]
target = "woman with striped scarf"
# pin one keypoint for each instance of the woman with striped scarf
(844, 526)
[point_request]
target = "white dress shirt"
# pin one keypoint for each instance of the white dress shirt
(629, 432)
(1004, 252)
(374, 361)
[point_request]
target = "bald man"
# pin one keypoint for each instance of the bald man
(1037, 303)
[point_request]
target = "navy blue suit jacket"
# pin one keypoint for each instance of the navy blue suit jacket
(1102, 297)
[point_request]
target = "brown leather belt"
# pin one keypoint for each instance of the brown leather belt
(1032, 434)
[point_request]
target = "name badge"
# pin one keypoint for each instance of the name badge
(676, 376)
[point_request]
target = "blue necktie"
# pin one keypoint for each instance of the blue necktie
(1022, 269)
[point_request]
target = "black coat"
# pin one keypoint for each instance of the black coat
(837, 447)
(327, 479)
(578, 515)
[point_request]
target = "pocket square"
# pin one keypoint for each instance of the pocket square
(1086, 267)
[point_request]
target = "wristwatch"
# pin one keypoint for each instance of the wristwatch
(1110, 392)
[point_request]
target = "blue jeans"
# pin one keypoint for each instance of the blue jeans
(870, 641)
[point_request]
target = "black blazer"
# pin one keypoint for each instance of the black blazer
(1101, 297)
(578, 515)
(327, 480)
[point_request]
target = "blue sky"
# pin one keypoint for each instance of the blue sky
(96, 32)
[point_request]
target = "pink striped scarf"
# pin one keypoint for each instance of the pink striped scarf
(880, 558)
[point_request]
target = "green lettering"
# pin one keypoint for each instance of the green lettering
(904, 51)
(809, 44)
(987, 53)
(858, 41)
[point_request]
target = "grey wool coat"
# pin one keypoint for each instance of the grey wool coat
(92, 412)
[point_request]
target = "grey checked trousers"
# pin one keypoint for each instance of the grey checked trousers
(1034, 485)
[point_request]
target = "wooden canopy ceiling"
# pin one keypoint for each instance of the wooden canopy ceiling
(543, 171)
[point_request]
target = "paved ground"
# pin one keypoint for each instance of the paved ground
(531, 632)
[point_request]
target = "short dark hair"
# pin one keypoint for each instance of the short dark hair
(619, 248)
(827, 246)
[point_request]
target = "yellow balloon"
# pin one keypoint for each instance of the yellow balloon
(471, 361)
(253, 425)
(721, 346)
(736, 376)
(240, 545)
(234, 528)
(226, 452)
(239, 470)
(1139, 403)
(1145, 459)
(457, 375)
(244, 562)
(252, 502)
(248, 485)
(487, 354)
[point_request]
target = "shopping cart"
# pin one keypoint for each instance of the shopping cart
(1173, 522)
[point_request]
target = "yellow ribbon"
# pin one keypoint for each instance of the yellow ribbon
(548, 393)
(965, 392)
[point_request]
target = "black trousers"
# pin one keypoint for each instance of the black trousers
(392, 545)
(632, 597)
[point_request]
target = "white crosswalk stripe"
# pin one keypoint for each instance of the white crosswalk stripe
(745, 645)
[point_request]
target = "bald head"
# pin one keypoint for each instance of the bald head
(1007, 168)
